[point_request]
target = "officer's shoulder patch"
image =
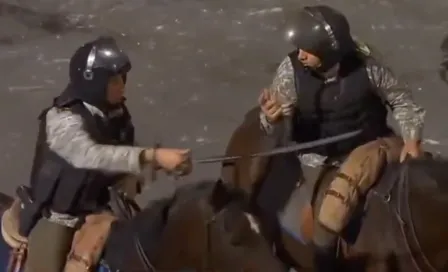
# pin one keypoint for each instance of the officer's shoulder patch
(362, 47)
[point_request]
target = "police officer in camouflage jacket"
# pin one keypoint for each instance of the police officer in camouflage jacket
(85, 143)
(330, 85)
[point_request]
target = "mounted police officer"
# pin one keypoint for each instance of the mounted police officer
(85, 144)
(331, 85)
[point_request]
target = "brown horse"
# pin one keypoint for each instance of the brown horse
(402, 225)
(203, 227)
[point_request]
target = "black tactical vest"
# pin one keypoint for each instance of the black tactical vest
(328, 109)
(62, 188)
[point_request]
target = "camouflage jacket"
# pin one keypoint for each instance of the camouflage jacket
(67, 137)
(409, 115)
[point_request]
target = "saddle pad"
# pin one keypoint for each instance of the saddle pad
(291, 219)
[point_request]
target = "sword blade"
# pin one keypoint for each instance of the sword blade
(281, 150)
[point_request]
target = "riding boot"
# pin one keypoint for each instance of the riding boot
(325, 243)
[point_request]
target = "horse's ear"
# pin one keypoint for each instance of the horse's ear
(220, 195)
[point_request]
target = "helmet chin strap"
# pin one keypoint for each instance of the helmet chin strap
(325, 65)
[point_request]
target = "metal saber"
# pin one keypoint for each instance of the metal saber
(281, 150)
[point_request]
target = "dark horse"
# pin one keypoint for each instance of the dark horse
(203, 227)
(402, 225)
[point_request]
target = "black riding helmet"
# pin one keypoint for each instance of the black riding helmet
(91, 67)
(321, 31)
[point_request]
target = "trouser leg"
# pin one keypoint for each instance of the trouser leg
(356, 176)
(48, 246)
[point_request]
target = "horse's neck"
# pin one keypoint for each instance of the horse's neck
(414, 217)
(428, 211)
(149, 225)
(428, 197)
(120, 247)
(145, 227)
(429, 203)
(419, 207)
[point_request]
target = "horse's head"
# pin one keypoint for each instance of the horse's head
(208, 228)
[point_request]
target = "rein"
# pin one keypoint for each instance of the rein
(402, 211)
(404, 191)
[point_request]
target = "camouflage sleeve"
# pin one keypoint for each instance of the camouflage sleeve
(283, 88)
(409, 115)
(67, 138)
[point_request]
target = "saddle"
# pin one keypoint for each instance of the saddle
(87, 246)
(88, 242)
